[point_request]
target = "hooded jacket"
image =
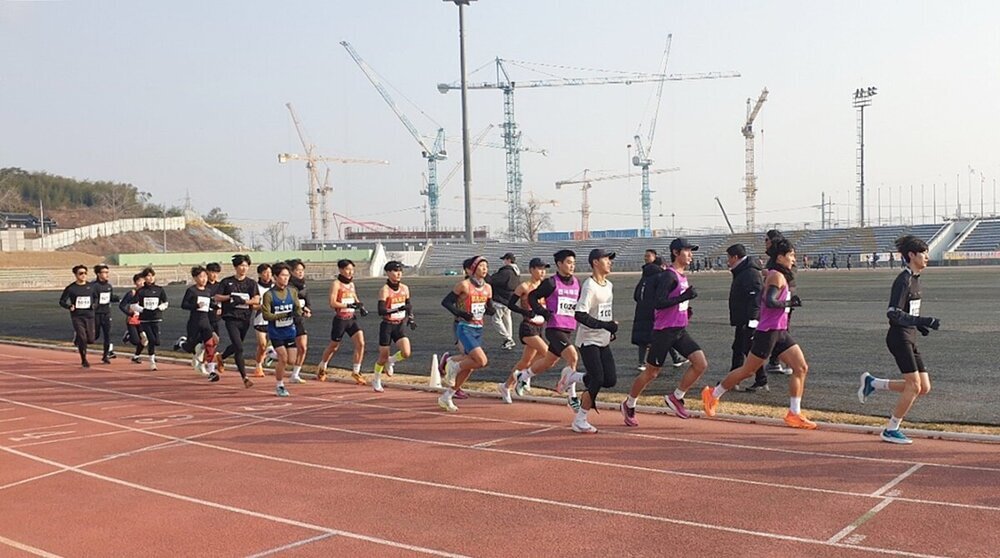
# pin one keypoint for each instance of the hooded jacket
(642, 323)
(744, 293)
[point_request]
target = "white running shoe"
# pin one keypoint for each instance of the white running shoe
(296, 379)
(451, 372)
(504, 393)
(390, 367)
(377, 384)
(446, 403)
(564, 380)
(199, 352)
(152, 363)
(583, 427)
(527, 385)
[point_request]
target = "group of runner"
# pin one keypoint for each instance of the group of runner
(562, 320)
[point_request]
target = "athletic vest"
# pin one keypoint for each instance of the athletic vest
(347, 295)
(394, 304)
(258, 317)
(282, 328)
(562, 304)
(475, 303)
(676, 315)
(774, 319)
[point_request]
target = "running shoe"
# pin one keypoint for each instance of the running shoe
(521, 386)
(574, 403)
(152, 365)
(527, 385)
(641, 368)
(247, 383)
(758, 386)
(281, 391)
(450, 373)
(390, 367)
(84, 363)
(270, 355)
(583, 427)
(710, 401)
(867, 387)
(296, 379)
(213, 377)
(359, 378)
(258, 371)
(111, 351)
(377, 384)
(677, 360)
(459, 394)
(179, 344)
(508, 345)
(895, 437)
(677, 406)
(106, 360)
(504, 393)
(136, 359)
(564, 380)
(201, 369)
(445, 403)
(628, 413)
(220, 363)
(799, 421)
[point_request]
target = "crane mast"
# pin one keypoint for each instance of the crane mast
(585, 185)
(750, 186)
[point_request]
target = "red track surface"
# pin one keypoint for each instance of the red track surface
(117, 461)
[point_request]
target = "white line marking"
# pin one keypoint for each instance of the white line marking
(897, 480)
(37, 428)
(117, 407)
(233, 509)
(291, 546)
(26, 548)
(11, 419)
(489, 443)
(859, 521)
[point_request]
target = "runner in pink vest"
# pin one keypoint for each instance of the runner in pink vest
(670, 319)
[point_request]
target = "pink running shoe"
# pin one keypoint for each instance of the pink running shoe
(677, 406)
(629, 414)
(459, 394)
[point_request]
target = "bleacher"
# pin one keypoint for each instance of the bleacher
(984, 238)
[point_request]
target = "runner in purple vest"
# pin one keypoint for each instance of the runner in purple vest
(561, 292)
(670, 320)
(772, 337)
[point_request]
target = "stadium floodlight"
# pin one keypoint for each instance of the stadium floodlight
(862, 98)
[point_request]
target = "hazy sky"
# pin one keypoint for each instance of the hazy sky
(178, 96)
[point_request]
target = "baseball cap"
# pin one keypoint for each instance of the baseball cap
(393, 266)
(537, 262)
(598, 253)
(682, 243)
(509, 256)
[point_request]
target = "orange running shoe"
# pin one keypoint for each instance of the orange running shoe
(359, 378)
(711, 402)
(220, 365)
(799, 421)
(258, 372)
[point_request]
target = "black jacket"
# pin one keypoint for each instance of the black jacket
(504, 281)
(642, 323)
(744, 294)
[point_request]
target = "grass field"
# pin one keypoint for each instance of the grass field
(841, 328)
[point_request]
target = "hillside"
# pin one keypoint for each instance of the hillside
(195, 238)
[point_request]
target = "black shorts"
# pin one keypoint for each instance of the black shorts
(558, 340)
(529, 329)
(199, 331)
(300, 326)
(286, 343)
(260, 328)
(389, 333)
(341, 326)
(904, 350)
(670, 338)
(767, 343)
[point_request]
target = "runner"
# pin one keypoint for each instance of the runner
(395, 308)
(79, 297)
(298, 280)
(132, 333)
(772, 337)
(774, 365)
(150, 302)
(264, 349)
(470, 300)
(904, 323)
(198, 301)
(597, 329)
(530, 330)
(102, 312)
(238, 295)
(344, 302)
(560, 293)
(280, 305)
(671, 317)
(214, 316)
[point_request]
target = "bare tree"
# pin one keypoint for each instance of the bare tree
(274, 235)
(10, 199)
(534, 219)
(118, 203)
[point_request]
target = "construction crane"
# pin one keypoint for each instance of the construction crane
(373, 226)
(511, 135)
(318, 196)
(584, 183)
(750, 187)
(432, 154)
(504, 200)
(642, 157)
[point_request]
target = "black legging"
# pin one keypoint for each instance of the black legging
(237, 333)
(83, 327)
(742, 341)
(152, 331)
(599, 362)
(103, 325)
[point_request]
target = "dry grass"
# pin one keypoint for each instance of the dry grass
(59, 259)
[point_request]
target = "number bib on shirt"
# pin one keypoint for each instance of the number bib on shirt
(604, 312)
(150, 302)
(82, 302)
(478, 310)
(104, 298)
(915, 307)
(204, 303)
(240, 300)
(567, 306)
(398, 313)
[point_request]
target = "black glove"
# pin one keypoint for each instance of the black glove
(545, 313)
(795, 301)
(934, 323)
(923, 331)
(689, 294)
(467, 316)
(411, 323)
(611, 327)
(361, 309)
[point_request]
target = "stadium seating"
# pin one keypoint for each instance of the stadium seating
(985, 237)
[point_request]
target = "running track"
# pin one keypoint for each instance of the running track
(115, 461)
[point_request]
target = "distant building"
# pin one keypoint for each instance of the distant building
(24, 221)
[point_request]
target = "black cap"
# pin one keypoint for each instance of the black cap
(682, 243)
(598, 253)
(393, 266)
(537, 262)
(562, 255)
(509, 256)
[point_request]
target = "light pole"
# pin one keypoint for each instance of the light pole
(466, 151)
(862, 98)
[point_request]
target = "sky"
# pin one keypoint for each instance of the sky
(188, 98)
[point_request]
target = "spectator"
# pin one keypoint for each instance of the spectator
(504, 281)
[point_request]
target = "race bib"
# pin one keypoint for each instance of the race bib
(82, 302)
(788, 296)
(399, 314)
(283, 322)
(240, 300)
(915, 307)
(753, 324)
(478, 310)
(302, 303)
(204, 303)
(150, 302)
(347, 300)
(604, 312)
(566, 306)
(104, 298)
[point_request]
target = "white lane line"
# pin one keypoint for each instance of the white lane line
(11, 419)
(232, 509)
(290, 546)
(897, 480)
(489, 443)
(39, 428)
(859, 521)
(25, 548)
(118, 406)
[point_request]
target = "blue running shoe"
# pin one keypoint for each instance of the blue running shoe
(867, 387)
(282, 392)
(895, 437)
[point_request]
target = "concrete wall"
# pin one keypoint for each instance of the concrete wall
(194, 258)
(65, 238)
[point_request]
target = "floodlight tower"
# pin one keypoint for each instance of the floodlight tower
(862, 98)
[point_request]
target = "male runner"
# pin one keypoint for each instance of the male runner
(78, 297)
(344, 302)
(395, 308)
(531, 328)
(470, 300)
(264, 350)
(298, 280)
(239, 296)
(102, 311)
(150, 302)
(280, 305)
(198, 301)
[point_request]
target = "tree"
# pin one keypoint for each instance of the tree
(274, 235)
(220, 220)
(120, 202)
(535, 220)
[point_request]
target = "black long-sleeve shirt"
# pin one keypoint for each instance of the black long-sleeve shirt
(80, 297)
(241, 291)
(904, 302)
(105, 296)
(198, 302)
(150, 297)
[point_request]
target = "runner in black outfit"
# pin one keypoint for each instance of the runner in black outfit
(150, 301)
(239, 296)
(198, 301)
(132, 318)
(79, 297)
(102, 312)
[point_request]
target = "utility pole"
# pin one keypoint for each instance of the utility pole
(466, 151)
(862, 98)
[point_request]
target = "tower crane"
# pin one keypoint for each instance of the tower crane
(750, 188)
(432, 154)
(318, 195)
(642, 158)
(511, 135)
(584, 183)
